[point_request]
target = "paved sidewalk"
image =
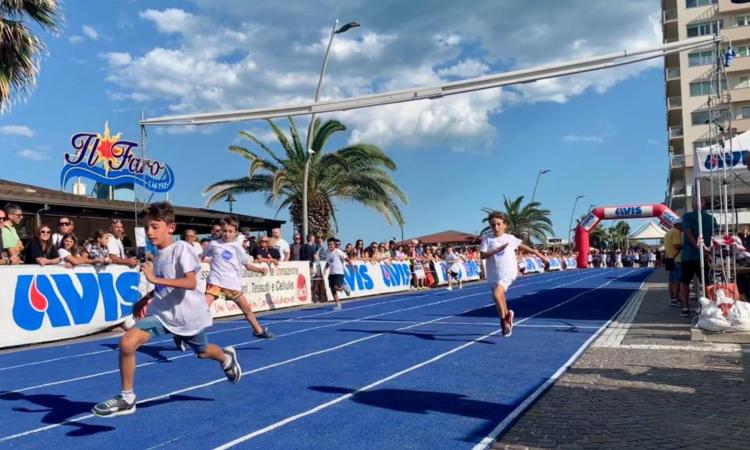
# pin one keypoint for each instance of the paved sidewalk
(644, 384)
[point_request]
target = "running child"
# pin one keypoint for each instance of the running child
(228, 258)
(499, 249)
(453, 261)
(175, 307)
(336, 259)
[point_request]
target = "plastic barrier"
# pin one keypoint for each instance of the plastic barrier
(285, 285)
(554, 265)
(42, 304)
(532, 266)
(570, 263)
(366, 279)
(469, 271)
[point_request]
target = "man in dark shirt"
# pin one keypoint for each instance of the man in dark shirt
(309, 249)
(265, 254)
(296, 248)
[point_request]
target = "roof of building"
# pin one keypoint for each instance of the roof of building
(32, 198)
(449, 237)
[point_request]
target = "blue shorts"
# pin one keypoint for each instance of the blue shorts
(675, 275)
(155, 328)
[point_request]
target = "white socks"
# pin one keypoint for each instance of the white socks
(128, 396)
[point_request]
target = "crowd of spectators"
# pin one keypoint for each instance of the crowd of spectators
(634, 257)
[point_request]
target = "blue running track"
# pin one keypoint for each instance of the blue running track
(420, 370)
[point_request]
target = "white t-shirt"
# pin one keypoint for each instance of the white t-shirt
(183, 312)
(114, 246)
(198, 249)
(452, 260)
(335, 260)
(283, 247)
(228, 261)
(504, 264)
(62, 253)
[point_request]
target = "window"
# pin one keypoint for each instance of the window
(705, 28)
(744, 112)
(742, 50)
(743, 82)
(704, 88)
(700, 144)
(701, 117)
(743, 20)
(696, 3)
(700, 58)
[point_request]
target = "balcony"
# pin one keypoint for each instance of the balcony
(669, 15)
(726, 6)
(678, 192)
(674, 103)
(741, 64)
(675, 132)
(734, 34)
(673, 73)
(676, 161)
(740, 95)
(741, 125)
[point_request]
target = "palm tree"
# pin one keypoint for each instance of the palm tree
(357, 173)
(527, 222)
(19, 48)
(619, 233)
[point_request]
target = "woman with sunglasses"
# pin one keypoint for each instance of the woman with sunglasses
(41, 250)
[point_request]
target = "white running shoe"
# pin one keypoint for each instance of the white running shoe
(337, 307)
(116, 406)
(509, 321)
(449, 288)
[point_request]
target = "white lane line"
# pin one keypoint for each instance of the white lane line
(341, 398)
(291, 319)
(210, 383)
(510, 418)
(298, 319)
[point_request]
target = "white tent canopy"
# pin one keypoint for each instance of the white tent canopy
(650, 230)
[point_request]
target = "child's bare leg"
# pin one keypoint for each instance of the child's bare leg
(498, 294)
(130, 342)
(247, 309)
(214, 352)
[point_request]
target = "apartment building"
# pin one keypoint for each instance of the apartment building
(687, 77)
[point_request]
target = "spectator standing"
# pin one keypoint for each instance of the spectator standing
(252, 244)
(115, 247)
(64, 225)
(309, 249)
(205, 244)
(359, 249)
(692, 246)
(215, 232)
(296, 248)
(280, 244)
(264, 253)
(69, 253)
(40, 249)
(672, 252)
(12, 244)
(191, 237)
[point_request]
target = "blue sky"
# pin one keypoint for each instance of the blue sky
(601, 134)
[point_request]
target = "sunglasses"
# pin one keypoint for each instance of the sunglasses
(63, 224)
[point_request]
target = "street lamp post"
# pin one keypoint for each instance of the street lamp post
(230, 199)
(308, 146)
(541, 172)
(572, 213)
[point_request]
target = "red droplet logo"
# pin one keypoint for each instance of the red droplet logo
(301, 288)
(37, 300)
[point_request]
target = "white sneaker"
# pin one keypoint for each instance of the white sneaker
(449, 288)
(337, 307)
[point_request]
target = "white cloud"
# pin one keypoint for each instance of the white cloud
(75, 39)
(468, 68)
(236, 55)
(116, 59)
(90, 32)
(33, 155)
(582, 138)
(17, 130)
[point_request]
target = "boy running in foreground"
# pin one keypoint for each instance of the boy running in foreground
(499, 249)
(227, 260)
(175, 306)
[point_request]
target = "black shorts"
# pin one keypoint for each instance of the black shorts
(335, 281)
(692, 268)
(453, 274)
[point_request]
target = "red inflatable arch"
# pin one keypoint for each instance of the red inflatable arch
(666, 215)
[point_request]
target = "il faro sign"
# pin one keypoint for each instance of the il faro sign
(113, 161)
